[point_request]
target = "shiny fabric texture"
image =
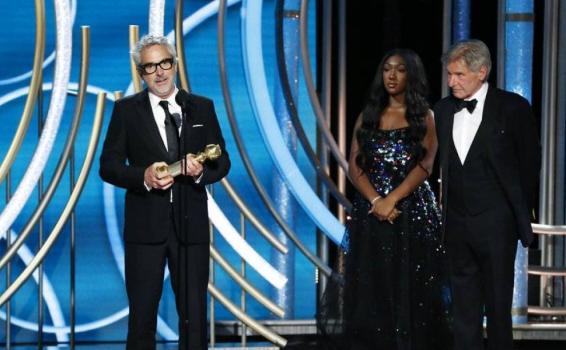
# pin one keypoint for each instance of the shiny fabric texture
(394, 292)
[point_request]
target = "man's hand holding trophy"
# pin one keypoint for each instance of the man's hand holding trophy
(210, 152)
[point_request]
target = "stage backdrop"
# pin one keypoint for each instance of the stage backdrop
(101, 304)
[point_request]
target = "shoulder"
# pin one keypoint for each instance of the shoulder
(130, 100)
(442, 104)
(359, 121)
(511, 100)
(442, 108)
(429, 116)
(200, 100)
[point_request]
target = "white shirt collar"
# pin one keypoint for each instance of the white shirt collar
(480, 94)
(154, 99)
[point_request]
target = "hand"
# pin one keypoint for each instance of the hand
(150, 177)
(192, 167)
(383, 208)
(394, 215)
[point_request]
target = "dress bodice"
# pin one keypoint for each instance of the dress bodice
(392, 155)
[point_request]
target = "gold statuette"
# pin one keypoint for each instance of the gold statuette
(210, 152)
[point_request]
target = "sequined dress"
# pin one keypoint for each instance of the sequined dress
(393, 294)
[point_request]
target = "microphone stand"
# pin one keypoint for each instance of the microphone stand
(182, 248)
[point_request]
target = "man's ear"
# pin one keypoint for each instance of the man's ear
(483, 73)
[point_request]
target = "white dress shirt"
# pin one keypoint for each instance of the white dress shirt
(159, 113)
(466, 124)
(159, 116)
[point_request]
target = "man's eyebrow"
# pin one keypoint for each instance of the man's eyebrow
(165, 59)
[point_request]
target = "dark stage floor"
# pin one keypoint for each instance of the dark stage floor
(295, 343)
(300, 343)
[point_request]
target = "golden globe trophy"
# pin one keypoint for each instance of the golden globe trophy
(210, 152)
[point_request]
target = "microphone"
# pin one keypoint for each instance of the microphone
(176, 119)
(182, 99)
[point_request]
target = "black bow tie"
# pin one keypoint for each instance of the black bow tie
(469, 105)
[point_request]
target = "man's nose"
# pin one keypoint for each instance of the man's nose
(451, 81)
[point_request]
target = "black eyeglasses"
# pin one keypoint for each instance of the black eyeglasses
(150, 68)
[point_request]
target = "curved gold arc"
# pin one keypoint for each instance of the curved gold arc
(74, 197)
(59, 170)
(180, 47)
(251, 290)
(35, 85)
(244, 209)
(85, 64)
(134, 37)
(245, 318)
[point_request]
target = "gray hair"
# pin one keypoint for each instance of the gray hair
(473, 52)
(150, 40)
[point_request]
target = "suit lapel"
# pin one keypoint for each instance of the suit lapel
(191, 113)
(447, 132)
(444, 142)
(147, 120)
(191, 118)
(481, 140)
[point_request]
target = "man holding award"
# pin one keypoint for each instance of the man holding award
(163, 146)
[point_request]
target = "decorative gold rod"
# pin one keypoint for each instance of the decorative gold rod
(260, 297)
(35, 85)
(245, 318)
(57, 229)
(244, 209)
(79, 106)
(180, 47)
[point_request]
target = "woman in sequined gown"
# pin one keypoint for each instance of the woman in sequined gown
(393, 294)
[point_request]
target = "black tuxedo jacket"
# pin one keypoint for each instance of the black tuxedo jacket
(510, 137)
(133, 143)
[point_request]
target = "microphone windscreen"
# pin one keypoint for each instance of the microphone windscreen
(177, 119)
(181, 98)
